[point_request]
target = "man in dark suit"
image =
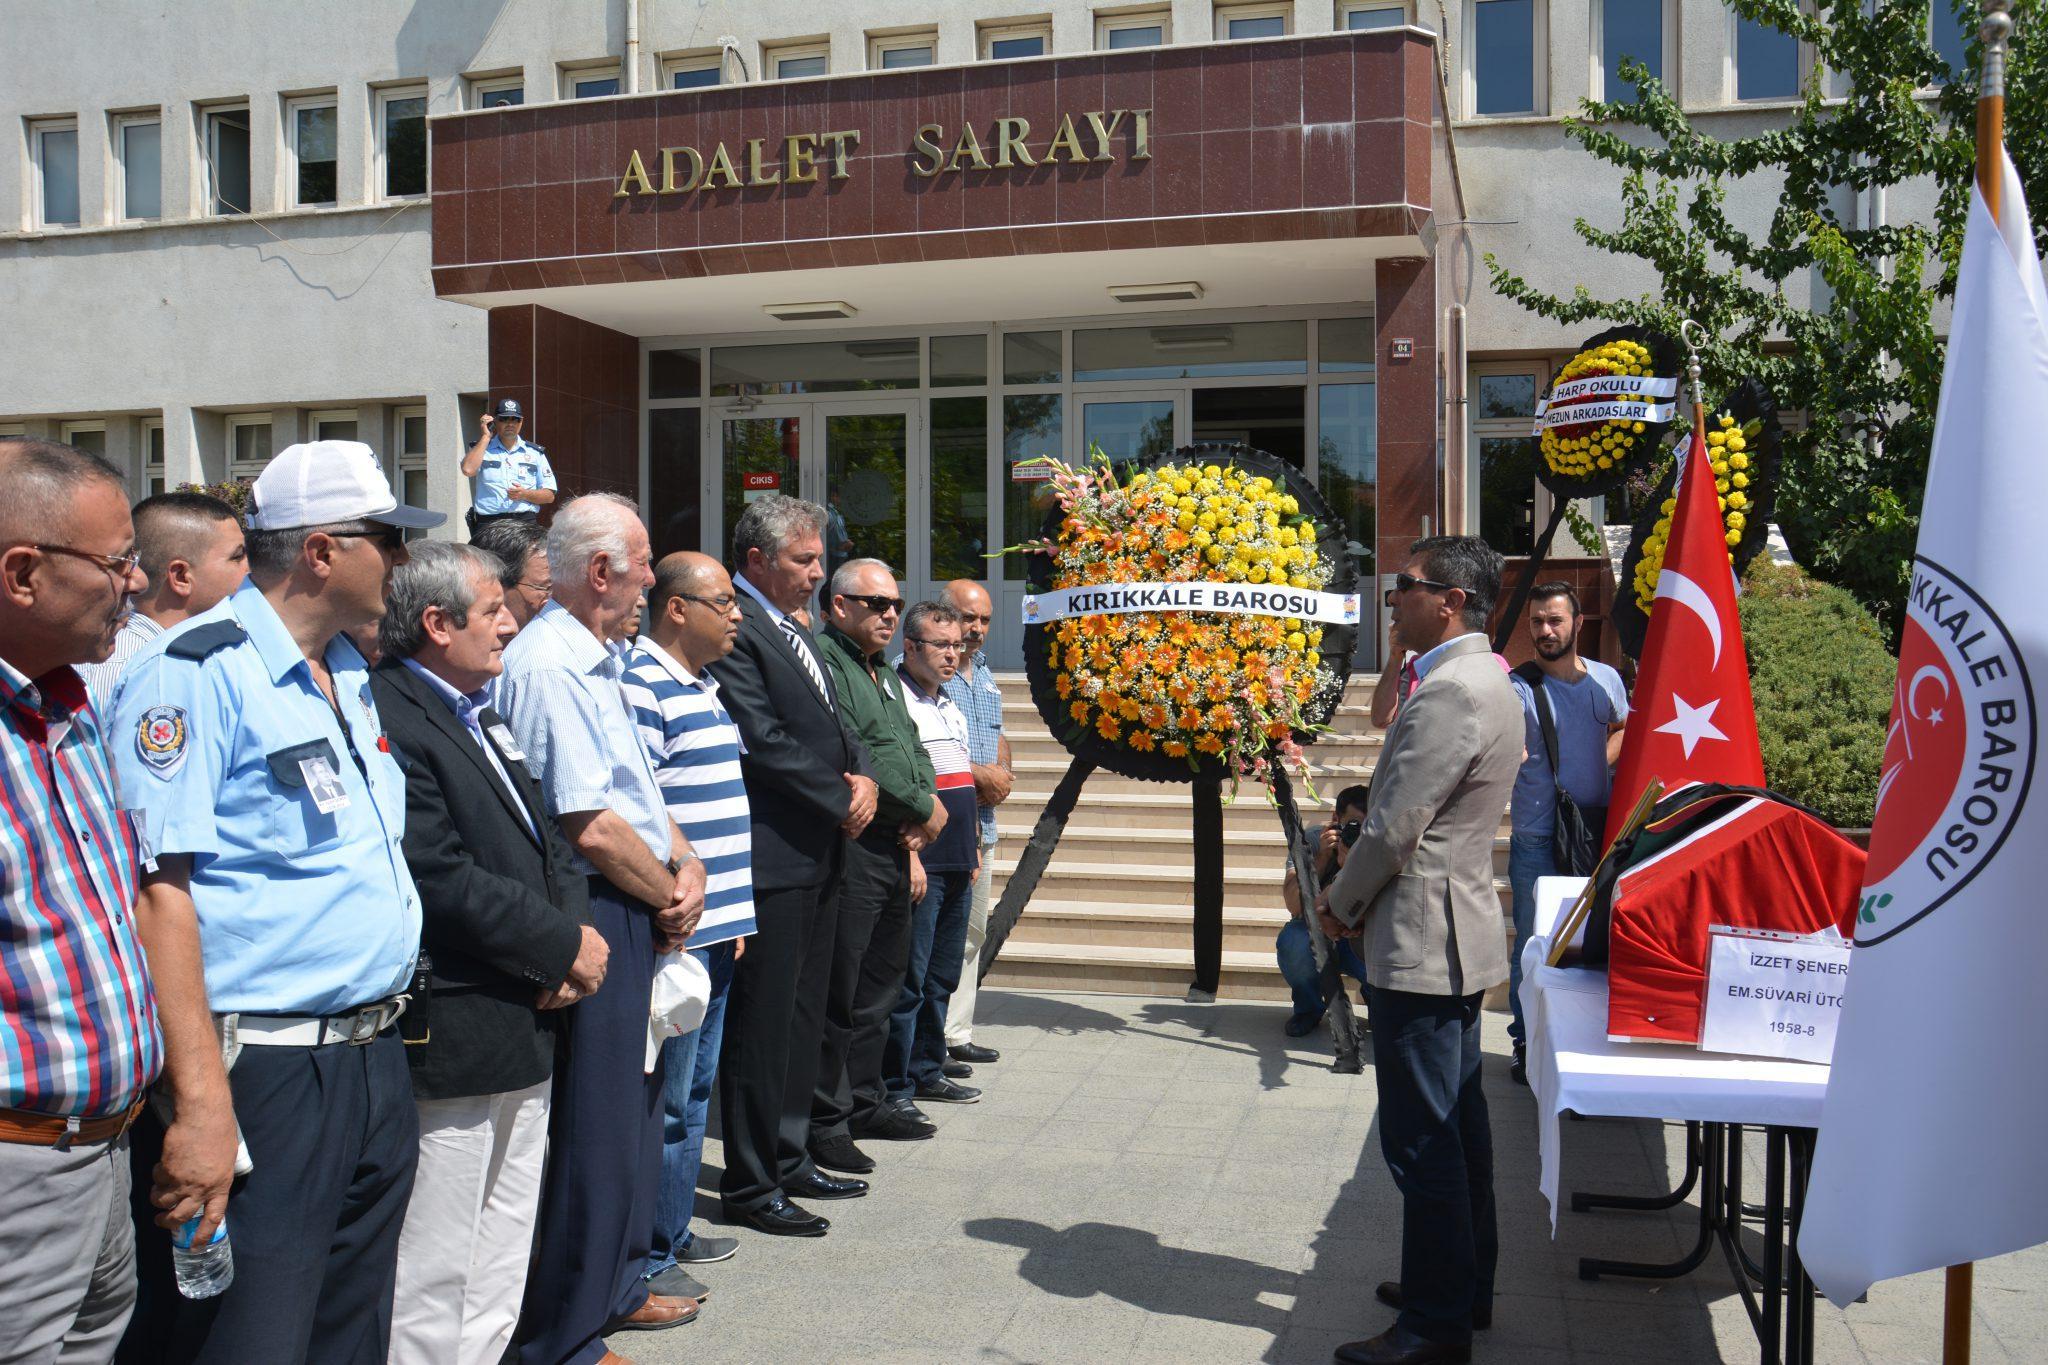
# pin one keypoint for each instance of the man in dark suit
(505, 941)
(1417, 889)
(808, 786)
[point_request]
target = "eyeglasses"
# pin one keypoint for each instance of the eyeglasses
(388, 537)
(935, 646)
(876, 603)
(722, 604)
(1408, 582)
(118, 565)
(529, 585)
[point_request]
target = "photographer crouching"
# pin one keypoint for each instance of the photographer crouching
(1293, 948)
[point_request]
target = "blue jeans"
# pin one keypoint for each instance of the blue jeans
(691, 1062)
(916, 1051)
(1529, 856)
(1297, 956)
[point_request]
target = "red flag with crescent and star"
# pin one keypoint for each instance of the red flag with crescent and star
(1692, 720)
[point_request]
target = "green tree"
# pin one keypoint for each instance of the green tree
(1864, 360)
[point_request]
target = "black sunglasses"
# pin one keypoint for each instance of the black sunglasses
(875, 602)
(1408, 582)
(390, 537)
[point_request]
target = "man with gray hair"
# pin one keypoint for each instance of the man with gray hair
(808, 784)
(563, 694)
(191, 548)
(505, 943)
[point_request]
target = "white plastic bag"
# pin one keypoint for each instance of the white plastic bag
(682, 992)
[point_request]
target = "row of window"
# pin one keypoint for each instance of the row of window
(312, 145)
(1506, 47)
(248, 443)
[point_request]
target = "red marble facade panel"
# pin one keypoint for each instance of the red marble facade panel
(518, 145)
(1409, 483)
(445, 160)
(1226, 89)
(480, 228)
(1328, 152)
(445, 237)
(553, 208)
(1227, 172)
(597, 144)
(515, 227)
(1276, 93)
(1326, 82)
(554, 145)
(481, 153)
(1276, 168)
(633, 225)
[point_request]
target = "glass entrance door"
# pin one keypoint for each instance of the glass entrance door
(1126, 429)
(760, 452)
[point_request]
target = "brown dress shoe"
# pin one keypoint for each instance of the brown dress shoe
(658, 1312)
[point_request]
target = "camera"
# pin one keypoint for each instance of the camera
(1348, 831)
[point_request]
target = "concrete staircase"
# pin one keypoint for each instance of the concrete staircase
(1114, 910)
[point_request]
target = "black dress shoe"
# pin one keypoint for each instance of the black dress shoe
(974, 1052)
(818, 1185)
(955, 1071)
(1396, 1346)
(892, 1124)
(839, 1154)
(780, 1218)
(1389, 1293)
(943, 1091)
(1518, 1066)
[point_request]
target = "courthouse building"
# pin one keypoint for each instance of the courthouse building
(880, 255)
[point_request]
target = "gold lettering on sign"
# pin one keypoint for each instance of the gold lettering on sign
(636, 174)
(669, 183)
(923, 143)
(1010, 135)
(806, 155)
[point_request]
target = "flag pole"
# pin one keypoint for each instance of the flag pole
(1992, 36)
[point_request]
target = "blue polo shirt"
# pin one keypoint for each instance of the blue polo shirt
(226, 749)
(524, 465)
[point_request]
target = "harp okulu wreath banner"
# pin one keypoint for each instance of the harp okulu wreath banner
(1176, 673)
(1602, 417)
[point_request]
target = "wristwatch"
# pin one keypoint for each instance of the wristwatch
(675, 864)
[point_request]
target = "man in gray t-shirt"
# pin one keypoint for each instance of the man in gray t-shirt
(1588, 705)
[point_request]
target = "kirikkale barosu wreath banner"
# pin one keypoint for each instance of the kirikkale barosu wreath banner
(1195, 613)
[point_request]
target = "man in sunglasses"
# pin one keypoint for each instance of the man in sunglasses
(873, 948)
(1417, 891)
(1296, 953)
(275, 893)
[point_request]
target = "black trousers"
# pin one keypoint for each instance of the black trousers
(604, 1153)
(870, 952)
(768, 1068)
(1438, 1143)
(334, 1137)
(477, 523)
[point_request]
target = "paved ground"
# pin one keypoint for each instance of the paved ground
(1150, 1182)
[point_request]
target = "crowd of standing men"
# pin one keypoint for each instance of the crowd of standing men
(350, 962)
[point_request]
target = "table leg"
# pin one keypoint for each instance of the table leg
(1799, 1322)
(1774, 1243)
(1635, 1203)
(1709, 1174)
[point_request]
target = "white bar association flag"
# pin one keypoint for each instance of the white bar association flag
(1930, 1150)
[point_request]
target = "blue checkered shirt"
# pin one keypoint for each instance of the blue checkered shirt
(982, 702)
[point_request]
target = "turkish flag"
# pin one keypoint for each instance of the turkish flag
(1693, 720)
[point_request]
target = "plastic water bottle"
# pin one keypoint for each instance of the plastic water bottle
(203, 1271)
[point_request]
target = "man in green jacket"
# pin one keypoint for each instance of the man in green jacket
(872, 947)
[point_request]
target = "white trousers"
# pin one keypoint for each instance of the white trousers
(960, 1009)
(468, 1233)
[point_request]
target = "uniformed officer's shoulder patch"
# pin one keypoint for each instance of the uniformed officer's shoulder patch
(201, 641)
(163, 738)
(536, 449)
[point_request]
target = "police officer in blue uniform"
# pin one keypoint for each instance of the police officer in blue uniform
(280, 922)
(513, 477)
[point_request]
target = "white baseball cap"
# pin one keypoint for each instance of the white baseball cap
(318, 482)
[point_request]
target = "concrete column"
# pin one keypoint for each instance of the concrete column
(185, 460)
(183, 163)
(355, 146)
(266, 150)
(124, 452)
(95, 171)
(451, 424)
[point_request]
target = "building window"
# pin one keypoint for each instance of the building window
(693, 70)
(1253, 21)
(227, 160)
(1766, 61)
(1635, 30)
(90, 436)
(792, 61)
(493, 92)
(1015, 38)
(411, 483)
(314, 142)
(139, 162)
(1504, 402)
(402, 141)
(590, 82)
(53, 145)
(1949, 34)
(1141, 28)
(1354, 15)
(335, 424)
(1503, 54)
(894, 51)
(248, 445)
(152, 456)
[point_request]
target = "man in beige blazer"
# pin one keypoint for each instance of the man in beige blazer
(1417, 891)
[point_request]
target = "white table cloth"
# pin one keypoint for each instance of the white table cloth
(1573, 1066)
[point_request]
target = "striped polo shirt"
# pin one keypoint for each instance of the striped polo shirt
(696, 752)
(78, 1029)
(942, 727)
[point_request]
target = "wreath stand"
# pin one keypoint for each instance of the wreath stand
(1207, 824)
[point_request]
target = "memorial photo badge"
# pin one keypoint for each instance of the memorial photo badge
(1958, 755)
(162, 738)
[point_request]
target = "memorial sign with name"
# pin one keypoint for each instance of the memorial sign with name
(1773, 995)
